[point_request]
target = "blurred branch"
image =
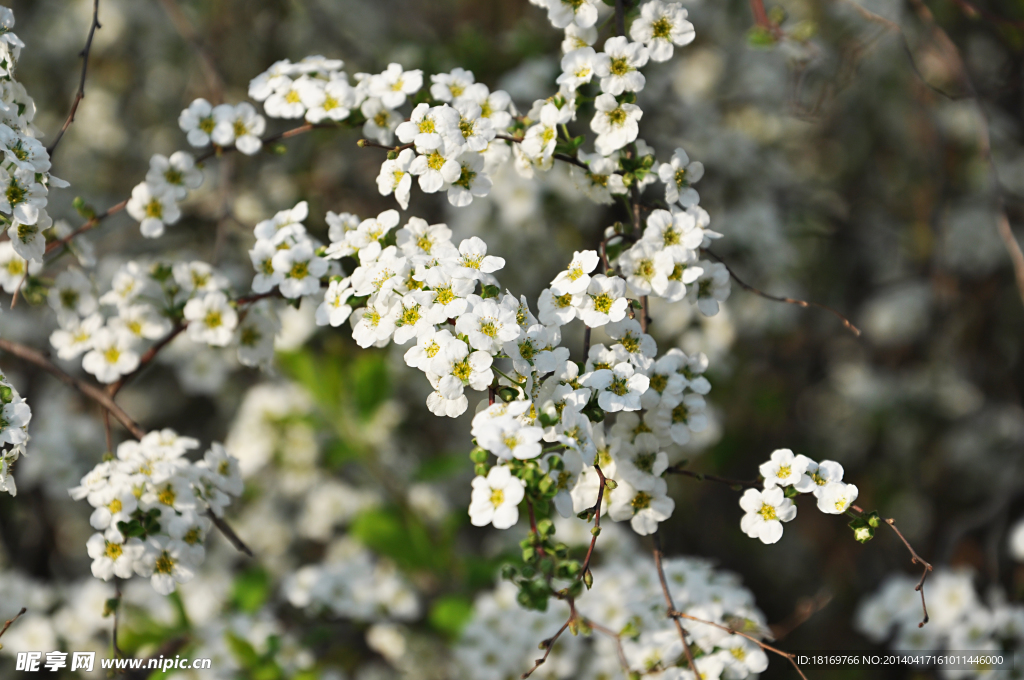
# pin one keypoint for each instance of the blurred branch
(94, 221)
(188, 32)
(99, 396)
(620, 17)
(548, 644)
(736, 484)
(10, 621)
(669, 603)
(80, 95)
(806, 607)
(229, 533)
(974, 11)
(732, 631)
(984, 140)
(788, 300)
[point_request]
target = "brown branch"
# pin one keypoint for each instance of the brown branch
(806, 607)
(362, 143)
(146, 358)
(188, 32)
(620, 18)
(10, 621)
(597, 519)
(914, 559)
(732, 631)
(549, 643)
(99, 396)
(703, 477)
(669, 603)
(974, 11)
(80, 95)
(788, 300)
(229, 533)
(94, 221)
(604, 630)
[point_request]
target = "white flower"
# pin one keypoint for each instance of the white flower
(488, 325)
(537, 348)
(1017, 542)
(564, 469)
(619, 388)
(600, 182)
(448, 293)
(239, 125)
(380, 121)
(176, 174)
(661, 26)
(642, 462)
(561, 13)
(394, 84)
(422, 242)
(577, 37)
(615, 124)
(114, 503)
(333, 100)
(111, 356)
(281, 221)
(374, 324)
(256, 338)
(211, 319)
(496, 498)
(818, 475)
(618, 66)
(576, 277)
(765, 512)
(836, 497)
(557, 310)
(506, 437)
(679, 415)
(577, 68)
(167, 561)
(472, 182)
(72, 295)
(473, 262)
(427, 126)
(784, 469)
(493, 105)
(75, 336)
(262, 258)
(197, 122)
(197, 277)
(639, 346)
(711, 289)
(285, 101)
(644, 509)
(678, 175)
(112, 555)
(742, 656)
(646, 268)
(143, 322)
(416, 316)
(395, 177)
(457, 366)
(441, 405)
(222, 469)
(152, 209)
(666, 380)
(472, 130)
(434, 169)
(14, 267)
(334, 310)
(28, 239)
(448, 87)
(604, 301)
(301, 270)
(426, 348)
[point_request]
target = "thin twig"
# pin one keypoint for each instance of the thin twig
(146, 358)
(604, 630)
(10, 621)
(914, 559)
(80, 95)
(669, 603)
(704, 477)
(788, 300)
(549, 643)
(99, 396)
(806, 607)
(732, 631)
(188, 32)
(597, 520)
(620, 18)
(229, 533)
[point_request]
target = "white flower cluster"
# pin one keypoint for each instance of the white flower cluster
(958, 619)
(14, 418)
(766, 510)
(143, 300)
(501, 634)
(154, 202)
(350, 584)
(25, 178)
(150, 503)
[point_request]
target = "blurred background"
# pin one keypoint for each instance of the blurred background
(843, 166)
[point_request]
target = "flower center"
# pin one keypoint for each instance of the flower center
(641, 501)
(497, 497)
(767, 512)
(154, 209)
(662, 28)
(112, 354)
(113, 550)
(164, 564)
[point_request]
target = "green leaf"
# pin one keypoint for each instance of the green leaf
(402, 539)
(489, 291)
(251, 589)
(450, 614)
(370, 382)
(760, 37)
